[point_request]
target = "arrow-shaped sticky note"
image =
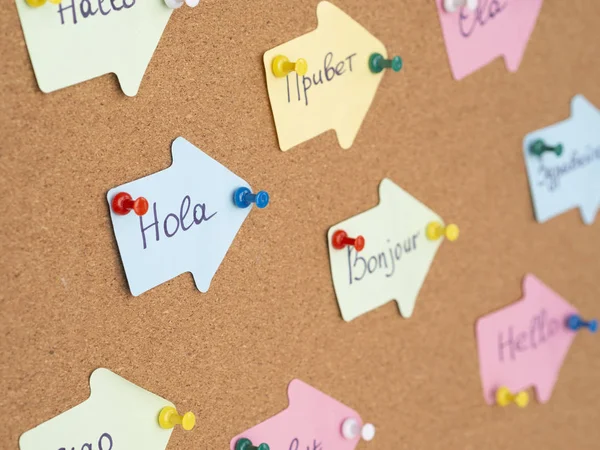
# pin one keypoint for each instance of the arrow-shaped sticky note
(569, 176)
(396, 255)
(118, 415)
(190, 224)
(338, 88)
(525, 343)
(77, 40)
(496, 28)
(312, 420)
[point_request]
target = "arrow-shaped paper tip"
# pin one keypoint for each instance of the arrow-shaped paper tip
(582, 108)
(518, 29)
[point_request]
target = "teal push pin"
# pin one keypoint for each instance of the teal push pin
(377, 63)
(246, 444)
(539, 147)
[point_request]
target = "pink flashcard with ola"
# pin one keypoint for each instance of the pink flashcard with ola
(525, 344)
(312, 421)
(475, 37)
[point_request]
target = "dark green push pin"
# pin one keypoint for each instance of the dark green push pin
(539, 147)
(246, 444)
(377, 63)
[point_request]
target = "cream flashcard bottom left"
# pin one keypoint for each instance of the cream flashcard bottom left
(118, 415)
(385, 253)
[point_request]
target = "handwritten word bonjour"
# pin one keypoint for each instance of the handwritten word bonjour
(376, 262)
(541, 329)
(551, 175)
(329, 71)
(86, 8)
(481, 16)
(177, 221)
(295, 444)
(102, 439)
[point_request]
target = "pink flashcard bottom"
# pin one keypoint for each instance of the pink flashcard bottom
(312, 421)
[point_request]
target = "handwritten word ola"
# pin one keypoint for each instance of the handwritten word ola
(104, 443)
(86, 8)
(486, 11)
(541, 329)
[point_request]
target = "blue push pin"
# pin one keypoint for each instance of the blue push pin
(243, 197)
(575, 322)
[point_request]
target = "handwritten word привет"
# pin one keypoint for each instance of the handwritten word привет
(295, 444)
(480, 16)
(198, 216)
(86, 8)
(104, 440)
(330, 73)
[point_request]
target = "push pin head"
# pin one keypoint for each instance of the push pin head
(575, 323)
(246, 444)
(453, 5)
(351, 429)
(377, 63)
(340, 239)
(436, 230)
(123, 203)
(539, 147)
(282, 66)
(38, 3)
(504, 397)
(168, 418)
(243, 197)
(174, 4)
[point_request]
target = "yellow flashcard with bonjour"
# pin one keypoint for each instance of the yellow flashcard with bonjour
(337, 88)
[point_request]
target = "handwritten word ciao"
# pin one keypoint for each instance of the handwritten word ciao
(551, 175)
(103, 444)
(176, 222)
(316, 79)
(87, 8)
(541, 329)
(379, 262)
(486, 10)
(295, 445)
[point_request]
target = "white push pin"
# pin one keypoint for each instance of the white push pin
(351, 429)
(452, 5)
(174, 4)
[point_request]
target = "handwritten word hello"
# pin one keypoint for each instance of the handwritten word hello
(105, 437)
(551, 175)
(541, 329)
(468, 21)
(376, 262)
(295, 444)
(86, 8)
(329, 71)
(177, 221)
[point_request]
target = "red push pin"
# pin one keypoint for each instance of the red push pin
(340, 239)
(123, 203)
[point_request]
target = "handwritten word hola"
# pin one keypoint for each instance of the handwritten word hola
(86, 8)
(172, 223)
(295, 444)
(468, 20)
(103, 443)
(541, 329)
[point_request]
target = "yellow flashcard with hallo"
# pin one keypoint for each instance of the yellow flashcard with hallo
(322, 80)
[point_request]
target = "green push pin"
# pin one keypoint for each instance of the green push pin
(539, 147)
(246, 444)
(377, 63)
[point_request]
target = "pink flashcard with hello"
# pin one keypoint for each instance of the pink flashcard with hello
(525, 343)
(494, 28)
(312, 421)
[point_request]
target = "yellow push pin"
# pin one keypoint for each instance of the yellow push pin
(282, 66)
(436, 230)
(38, 3)
(504, 398)
(169, 417)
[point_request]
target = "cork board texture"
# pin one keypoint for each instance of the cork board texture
(271, 313)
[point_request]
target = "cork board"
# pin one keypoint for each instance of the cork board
(271, 314)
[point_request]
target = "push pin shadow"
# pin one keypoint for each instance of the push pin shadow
(575, 323)
(282, 66)
(243, 198)
(122, 204)
(504, 397)
(169, 417)
(377, 63)
(351, 430)
(539, 147)
(436, 230)
(340, 239)
(38, 3)
(246, 444)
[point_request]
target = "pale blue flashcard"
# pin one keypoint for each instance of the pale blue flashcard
(190, 224)
(570, 180)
